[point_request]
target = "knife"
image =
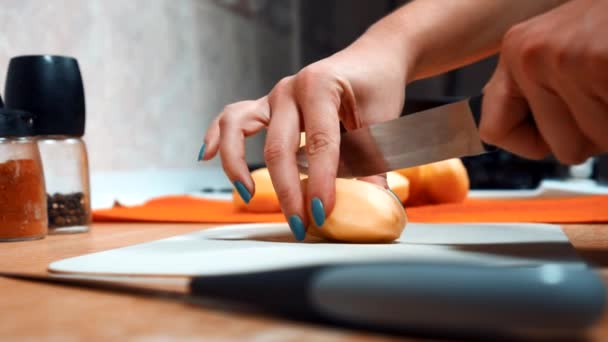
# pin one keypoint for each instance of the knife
(545, 300)
(431, 135)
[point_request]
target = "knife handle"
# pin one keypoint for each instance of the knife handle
(475, 105)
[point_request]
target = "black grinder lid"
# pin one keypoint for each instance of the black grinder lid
(16, 123)
(51, 88)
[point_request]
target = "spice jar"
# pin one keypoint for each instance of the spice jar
(23, 214)
(51, 88)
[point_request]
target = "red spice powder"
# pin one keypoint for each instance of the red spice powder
(23, 213)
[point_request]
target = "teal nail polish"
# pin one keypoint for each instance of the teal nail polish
(297, 227)
(243, 192)
(201, 152)
(318, 212)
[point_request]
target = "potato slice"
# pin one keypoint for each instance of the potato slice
(399, 185)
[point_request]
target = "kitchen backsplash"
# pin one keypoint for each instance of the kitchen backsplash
(156, 71)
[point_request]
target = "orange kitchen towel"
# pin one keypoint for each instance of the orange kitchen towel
(583, 209)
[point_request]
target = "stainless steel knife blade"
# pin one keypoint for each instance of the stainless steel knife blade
(428, 136)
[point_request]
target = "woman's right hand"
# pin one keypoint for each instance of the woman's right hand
(358, 86)
(555, 66)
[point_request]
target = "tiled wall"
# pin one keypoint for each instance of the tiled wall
(155, 71)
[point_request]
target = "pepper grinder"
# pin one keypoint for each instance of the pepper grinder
(50, 87)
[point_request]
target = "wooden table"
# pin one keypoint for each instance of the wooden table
(35, 311)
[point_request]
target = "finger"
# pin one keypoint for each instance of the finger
(238, 121)
(282, 142)
(506, 120)
(526, 57)
(558, 127)
(211, 142)
(319, 104)
(589, 111)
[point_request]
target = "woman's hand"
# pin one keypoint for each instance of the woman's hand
(360, 85)
(555, 65)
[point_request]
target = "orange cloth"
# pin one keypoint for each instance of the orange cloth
(586, 209)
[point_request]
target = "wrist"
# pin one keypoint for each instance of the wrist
(388, 41)
(398, 39)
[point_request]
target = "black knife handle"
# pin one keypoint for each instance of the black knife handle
(475, 105)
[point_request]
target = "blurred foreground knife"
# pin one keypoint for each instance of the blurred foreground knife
(439, 133)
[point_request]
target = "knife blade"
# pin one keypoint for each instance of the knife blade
(432, 135)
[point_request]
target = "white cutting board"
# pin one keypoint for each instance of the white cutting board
(258, 247)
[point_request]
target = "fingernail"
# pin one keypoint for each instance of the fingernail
(243, 192)
(318, 212)
(297, 227)
(201, 152)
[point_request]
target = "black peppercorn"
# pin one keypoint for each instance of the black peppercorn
(67, 210)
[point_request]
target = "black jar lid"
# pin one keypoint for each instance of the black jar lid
(16, 123)
(51, 88)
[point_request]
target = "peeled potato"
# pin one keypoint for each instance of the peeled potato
(450, 181)
(264, 200)
(399, 185)
(417, 184)
(441, 182)
(363, 213)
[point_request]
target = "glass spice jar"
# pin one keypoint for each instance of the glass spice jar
(51, 88)
(66, 170)
(23, 214)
